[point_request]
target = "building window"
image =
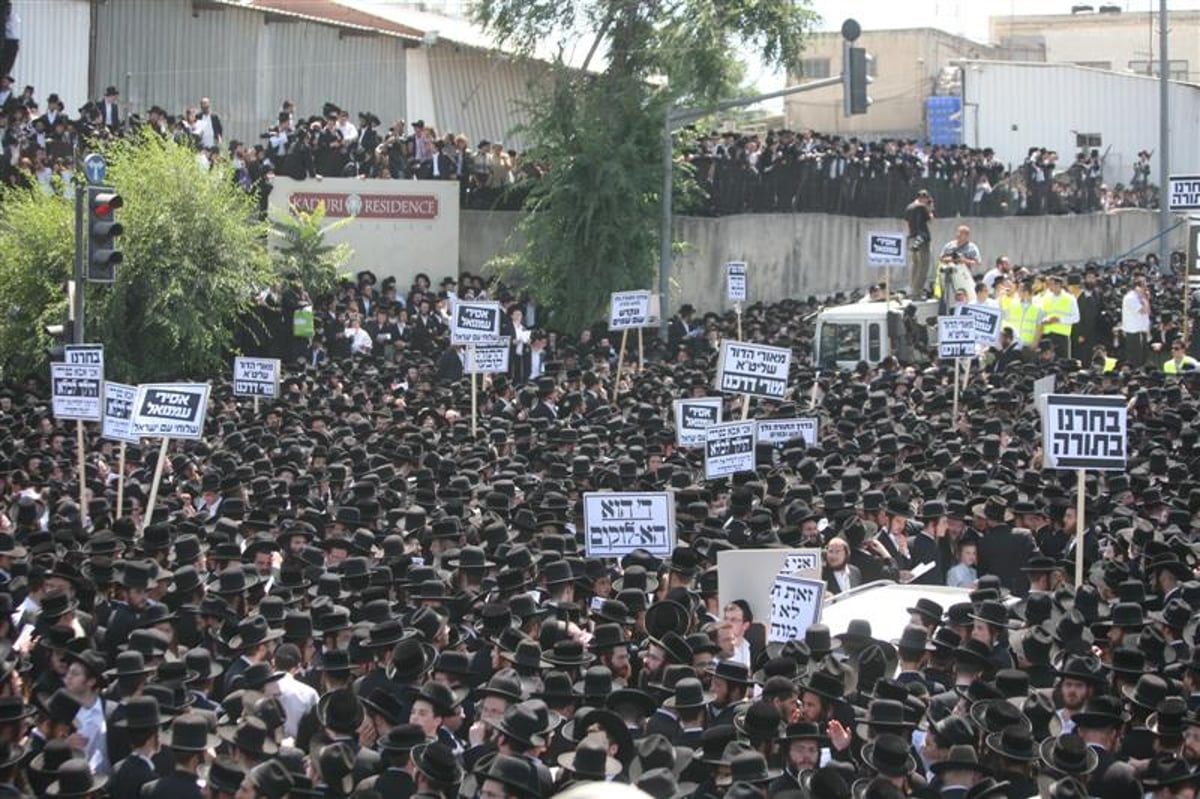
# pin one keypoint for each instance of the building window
(814, 68)
(1177, 68)
(1094, 64)
(1085, 141)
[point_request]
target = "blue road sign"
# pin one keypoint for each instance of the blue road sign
(95, 168)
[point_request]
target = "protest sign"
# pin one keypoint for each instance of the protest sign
(170, 410)
(1183, 192)
(747, 574)
(615, 524)
(956, 337)
(754, 369)
(1084, 432)
(117, 424)
(735, 281)
(987, 323)
(693, 417)
(629, 309)
(795, 606)
(488, 358)
(728, 449)
(472, 322)
(75, 383)
(887, 249)
(780, 431)
(256, 377)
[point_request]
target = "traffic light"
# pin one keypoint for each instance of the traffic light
(856, 64)
(103, 229)
(61, 335)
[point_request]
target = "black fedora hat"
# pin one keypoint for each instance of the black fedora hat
(689, 693)
(190, 733)
(249, 735)
(521, 724)
(1015, 743)
(889, 755)
(516, 774)
(442, 698)
(438, 763)
(1101, 712)
(340, 711)
(402, 738)
(75, 778)
(411, 658)
(1068, 754)
(962, 757)
(884, 714)
(225, 775)
(824, 685)
(252, 632)
(129, 663)
(590, 761)
(731, 671)
(141, 713)
(994, 715)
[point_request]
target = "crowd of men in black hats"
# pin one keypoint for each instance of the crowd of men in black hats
(785, 170)
(350, 593)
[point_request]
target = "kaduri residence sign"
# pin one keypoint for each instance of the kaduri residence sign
(369, 206)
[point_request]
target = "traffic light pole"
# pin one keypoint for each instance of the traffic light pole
(675, 118)
(76, 297)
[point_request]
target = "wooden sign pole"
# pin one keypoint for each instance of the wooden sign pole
(474, 398)
(79, 446)
(1080, 527)
(954, 412)
(738, 309)
(121, 479)
(620, 367)
(158, 470)
(641, 352)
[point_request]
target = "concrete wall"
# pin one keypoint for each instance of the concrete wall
(794, 255)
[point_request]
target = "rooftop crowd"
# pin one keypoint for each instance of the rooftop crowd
(347, 592)
(782, 171)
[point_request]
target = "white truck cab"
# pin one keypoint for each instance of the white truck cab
(870, 331)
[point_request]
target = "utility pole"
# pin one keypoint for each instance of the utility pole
(1164, 139)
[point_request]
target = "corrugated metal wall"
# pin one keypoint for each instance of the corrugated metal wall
(479, 93)
(161, 53)
(1014, 106)
(54, 50)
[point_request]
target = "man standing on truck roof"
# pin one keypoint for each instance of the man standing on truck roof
(918, 215)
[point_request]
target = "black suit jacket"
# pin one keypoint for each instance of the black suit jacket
(1003, 552)
(128, 778)
(924, 549)
(1006, 359)
(176, 785)
(831, 584)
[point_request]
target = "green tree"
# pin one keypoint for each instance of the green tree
(592, 223)
(194, 260)
(302, 248)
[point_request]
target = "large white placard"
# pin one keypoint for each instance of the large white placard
(728, 449)
(1084, 432)
(76, 382)
(117, 424)
(256, 377)
(735, 281)
(628, 309)
(780, 431)
(693, 417)
(1183, 193)
(743, 574)
(488, 358)
(795, 606)
(170, 410)
(472, 322)
(754, 369)
(887, 249)
(615, 524)
(956, 337)
(987, 323)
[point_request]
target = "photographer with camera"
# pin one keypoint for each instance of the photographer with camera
(959, 258)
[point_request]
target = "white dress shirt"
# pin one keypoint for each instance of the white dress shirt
(296, 698)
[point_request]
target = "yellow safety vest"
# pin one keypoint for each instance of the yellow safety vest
(1023, 321)
(1110, 365)
(1188, 364)
(1058, 306)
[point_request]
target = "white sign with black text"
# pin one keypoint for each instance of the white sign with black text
(170, 410)
(488, 358)
(1084, 432)
(693, 417)
(778, 432)
(735, 281)
(629, 309)
(473, 321)
(616, 524)
(1183, 193)
(754, 369)
(256, 377)
(887, 249)
(76, 383)
(117, 424)
(728, 449)
(987, 323)
(795, 606)
(956, 337)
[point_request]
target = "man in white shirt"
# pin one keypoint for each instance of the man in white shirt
(208, 126)
(1002, 268)
(738, 617)
(1135, 322)
(295, 696)
(360, 340)
(82, 681)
